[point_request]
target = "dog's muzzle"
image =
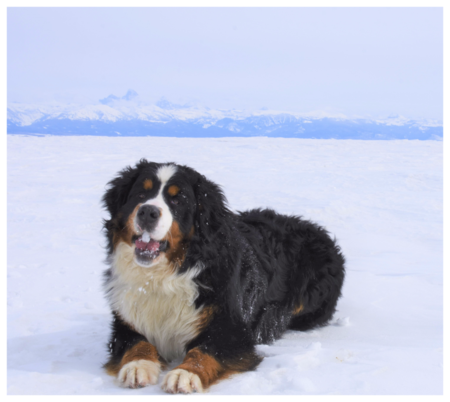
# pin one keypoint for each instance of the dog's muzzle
(147, 217)
(148, 249)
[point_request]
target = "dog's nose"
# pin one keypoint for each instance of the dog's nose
(148, 215)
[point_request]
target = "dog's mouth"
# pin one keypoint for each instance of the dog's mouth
(147, 249)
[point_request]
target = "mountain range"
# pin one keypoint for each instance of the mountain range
(128, 116)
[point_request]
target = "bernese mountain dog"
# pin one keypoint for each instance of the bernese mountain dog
(190, 279)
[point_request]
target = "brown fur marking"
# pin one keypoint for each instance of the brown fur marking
(112, 369)
(209, 370)
(173, 190)
(141, 351)
(148, 184)
(127, 232)
(205, 317)
(178, 244)
(205, 366)
(298, 309)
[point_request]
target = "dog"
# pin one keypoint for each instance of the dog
(190, 279)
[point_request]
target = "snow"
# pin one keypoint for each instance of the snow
(381, 199)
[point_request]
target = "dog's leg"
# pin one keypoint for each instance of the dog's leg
(139, 366)
(199, 370)
(133, 360)
(222, 349)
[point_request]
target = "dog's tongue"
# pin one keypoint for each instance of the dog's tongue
(151, 246)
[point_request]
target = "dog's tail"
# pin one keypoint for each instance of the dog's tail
(317, 302)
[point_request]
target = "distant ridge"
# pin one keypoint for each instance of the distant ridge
(127, 116)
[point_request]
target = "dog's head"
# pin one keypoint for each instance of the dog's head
(158, 209)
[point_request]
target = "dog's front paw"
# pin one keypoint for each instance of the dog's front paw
(139, 373)
(182, 381)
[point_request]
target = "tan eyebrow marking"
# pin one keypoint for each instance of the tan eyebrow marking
(173, 190)
(148, 184)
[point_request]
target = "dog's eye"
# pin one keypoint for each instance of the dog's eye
(174, 201)
(141, 195)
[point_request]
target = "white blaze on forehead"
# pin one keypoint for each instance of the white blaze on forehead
(164, 174)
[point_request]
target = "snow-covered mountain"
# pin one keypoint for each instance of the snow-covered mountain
(127, 116)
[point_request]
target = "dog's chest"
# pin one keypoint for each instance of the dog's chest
(161, 308)
(167, 320)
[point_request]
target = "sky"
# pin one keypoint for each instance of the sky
(371, 62)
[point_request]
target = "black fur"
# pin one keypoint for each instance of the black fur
(259, 267)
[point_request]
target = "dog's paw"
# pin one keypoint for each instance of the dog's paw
(139, 373)
(182, 381)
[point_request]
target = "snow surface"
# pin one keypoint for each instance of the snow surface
(381, 199)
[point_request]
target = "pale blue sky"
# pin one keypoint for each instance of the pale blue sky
(358, 61)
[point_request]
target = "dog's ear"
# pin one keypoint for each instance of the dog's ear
(119, 188)
(211, 208)
(212, 239)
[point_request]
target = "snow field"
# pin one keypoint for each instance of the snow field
(381, 199)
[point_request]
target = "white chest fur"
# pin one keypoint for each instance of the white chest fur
(156, 302)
